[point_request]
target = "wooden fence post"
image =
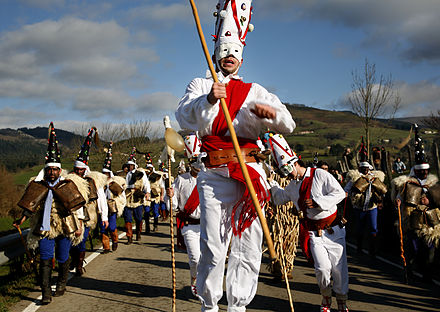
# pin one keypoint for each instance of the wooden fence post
(436, 158)
(410, 159)
(388, 166)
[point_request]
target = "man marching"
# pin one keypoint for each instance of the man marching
(54, 204)
(366, 190)
(225, 204)
(417, 197)
(114, 192)
(315, 194)
(186, 199)
(137, 192)
(96, 209)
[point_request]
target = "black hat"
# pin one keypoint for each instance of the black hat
(53, 153)
(107, 167)
(132, 159)
(82, 160)
(420, 157)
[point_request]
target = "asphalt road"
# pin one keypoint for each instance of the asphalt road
(137, 277)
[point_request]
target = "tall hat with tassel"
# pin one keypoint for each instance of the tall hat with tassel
(53, 153)
(132, 159)
(231, 27)
(107, 167)
(283, 155)
(82, 160)
(420, 157)
(363, 156)
(148, 161)
(192, 147)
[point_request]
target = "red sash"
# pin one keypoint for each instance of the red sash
(191, 205)
(304, 236)
(236, 92)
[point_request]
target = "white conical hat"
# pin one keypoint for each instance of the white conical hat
(192, 146)
(231, 27)
(283, 155)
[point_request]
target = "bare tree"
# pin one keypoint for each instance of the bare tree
(372, 97)
(433, 121)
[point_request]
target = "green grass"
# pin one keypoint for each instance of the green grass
(6, 224)
(13, 289)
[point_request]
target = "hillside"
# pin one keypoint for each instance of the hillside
(328, 132)
(318, 130)
(26, 147)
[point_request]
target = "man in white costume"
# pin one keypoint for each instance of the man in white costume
(186, 199)
(225, 204)
(315, 194)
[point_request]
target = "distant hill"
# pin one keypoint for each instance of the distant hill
(317, 130)
(26, 147)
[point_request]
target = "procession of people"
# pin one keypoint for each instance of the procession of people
(216, 218)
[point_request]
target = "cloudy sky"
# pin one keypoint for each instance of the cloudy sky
(82, 62)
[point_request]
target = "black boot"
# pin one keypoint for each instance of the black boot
(155, 224)
(63, 272)
(138, 231)
(45, 275)
(147, 224)
(373, 246)
(80, 265)
(359, 242)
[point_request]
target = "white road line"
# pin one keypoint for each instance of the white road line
(35, 305)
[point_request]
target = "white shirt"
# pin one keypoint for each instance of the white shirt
(194, 112)
(145, 182)
(183, 188)
(326, 192)
(102, 204)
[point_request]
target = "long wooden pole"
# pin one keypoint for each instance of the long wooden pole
(173, 256)
(402, 251)
(231, 129)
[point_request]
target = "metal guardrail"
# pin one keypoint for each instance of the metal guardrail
(11, 247)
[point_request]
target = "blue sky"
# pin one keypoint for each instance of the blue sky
(80, 63)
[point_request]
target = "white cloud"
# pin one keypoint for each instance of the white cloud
(45, 4)
(407, 26)
(419, 99)
(10, 117)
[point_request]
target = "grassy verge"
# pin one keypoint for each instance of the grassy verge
(7, 228)
(15, 283)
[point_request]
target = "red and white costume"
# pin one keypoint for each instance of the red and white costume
(184, 186)
(328, 250)
(219, 193)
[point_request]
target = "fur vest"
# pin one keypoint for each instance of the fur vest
(423, 220)
(60, 222)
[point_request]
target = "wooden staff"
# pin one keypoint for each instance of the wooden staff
(286, 279)
(402, 251)
(173, 256)
(28, 253)
(234, 140)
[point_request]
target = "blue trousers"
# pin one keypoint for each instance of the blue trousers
(163, 206)
(111, 224)
(129, 212)
(153, 207)
(60, 244)
(367, 217)
(82, 246)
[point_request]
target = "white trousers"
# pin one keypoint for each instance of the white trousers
(191, 236)
(218, 195)
(329, 255)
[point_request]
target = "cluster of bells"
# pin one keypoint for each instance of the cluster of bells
(242, 18)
